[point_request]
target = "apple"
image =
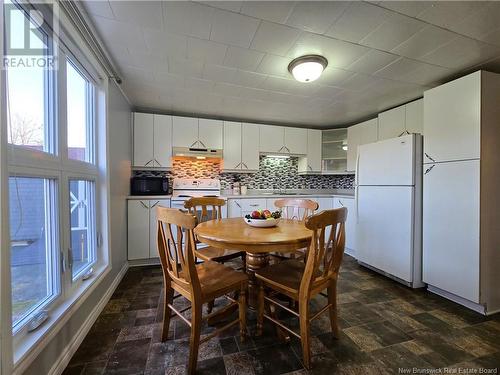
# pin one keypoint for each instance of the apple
(267, 214)
(255, 215)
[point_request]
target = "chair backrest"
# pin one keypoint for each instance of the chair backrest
(324, 257)
(205, 208)
(296, 209)
(177, 258)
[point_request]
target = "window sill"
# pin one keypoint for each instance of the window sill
(32, 344)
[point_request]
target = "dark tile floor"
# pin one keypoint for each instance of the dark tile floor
(386, 327)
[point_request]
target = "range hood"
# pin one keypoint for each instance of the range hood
(195, 152)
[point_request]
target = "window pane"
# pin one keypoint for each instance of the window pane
(33, 243)
(83, 228)
(28, 95)
(80, 115)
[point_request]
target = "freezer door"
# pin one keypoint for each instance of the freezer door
(389, 162)
(385, 229)
(451, 228)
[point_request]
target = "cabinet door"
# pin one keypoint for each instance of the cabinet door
(368, 132)
(391, 123)
(138, 229)
(353, 139)
(153, 225)
(314, 150)
(250, 146)
(452, 120)
(232, 146)
(143, 140)
(271, 138)
(451, 257)
(350, 224)
(162, 141)
(296, 140)
(233, 208)
(210, 133)
(184, 132)
(415, 117)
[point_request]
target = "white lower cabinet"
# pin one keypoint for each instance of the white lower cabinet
(350, 225)
(142, 227)
(241, 207)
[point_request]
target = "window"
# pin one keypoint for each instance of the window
(82, 225)
(80, 113)
(34, 244)
(29, 93)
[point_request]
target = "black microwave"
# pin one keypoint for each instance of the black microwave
(149, 185)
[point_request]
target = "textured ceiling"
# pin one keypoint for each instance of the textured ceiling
(229, 59)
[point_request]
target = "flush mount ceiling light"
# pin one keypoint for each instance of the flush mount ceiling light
(307, 68)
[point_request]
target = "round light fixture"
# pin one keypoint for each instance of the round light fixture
(307, 68)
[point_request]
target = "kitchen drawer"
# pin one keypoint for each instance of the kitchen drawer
(253, 204)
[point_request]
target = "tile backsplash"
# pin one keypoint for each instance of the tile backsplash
(274, 173)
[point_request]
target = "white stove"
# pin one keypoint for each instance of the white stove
(185, 188)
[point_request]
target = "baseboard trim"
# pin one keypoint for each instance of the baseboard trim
(461, 301)
(68, 352)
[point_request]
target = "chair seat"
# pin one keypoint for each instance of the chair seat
(217, 279)
(217, 254)
(284, 276)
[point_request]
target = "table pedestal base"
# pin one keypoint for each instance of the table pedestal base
(254, 263)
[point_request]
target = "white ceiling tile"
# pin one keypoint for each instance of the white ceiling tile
(143, 61)
(169, 81)
(226, 89)
(218, 73)
(395, 30)
(274, 65)
(275, 11)
(121, 33)
(198, 84)
(449, 13)
(278, 84)
(233, 29)
(423, 42)
(136, 74)
(184, 17)
(146, 14)
(165, 43)
(206, 50)
(358, 21)
(480, 23)
(328, 92)
(316, 16)
(334, 77)
(372, 61)
(233, 6)
(185, 67)
(274, 38)
(493, 37)
(451, 55)
(410, 8)
(340, 54)
(248, 79)
(243, 58)
(100, 8)
(359, 82)
(413, 72)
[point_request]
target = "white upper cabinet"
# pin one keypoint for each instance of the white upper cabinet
(249, 147)
(311, 163)
(391, 124)
(152, 140)
(357, 135)
(232, 146)
(143, 140)
(162, 141)
(210, 133)
(185, 132)
(296, 140)
(396, 121)
(415, 117)
(272, 138)
(452, 120)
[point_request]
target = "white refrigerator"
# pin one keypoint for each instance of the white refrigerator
(389, 208)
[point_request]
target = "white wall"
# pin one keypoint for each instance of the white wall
(120, 156)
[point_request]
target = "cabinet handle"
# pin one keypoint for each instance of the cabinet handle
(143, 205)
(406, 132)
(288, 149)
(428, 157)
(340, 202)
(236, 202)
(429, 169)
(254, 205)
(237, 165)
(308, 166)
(157, 162)
(282, 147)
(245, 164)
(148, 163)
(203, 144)
(195, 142)
(155, 204)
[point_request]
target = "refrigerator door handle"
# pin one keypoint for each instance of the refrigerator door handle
(429, 169)
(428, 157)
(356, 170)
(356, 198)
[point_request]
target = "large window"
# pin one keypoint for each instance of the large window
(34, 244)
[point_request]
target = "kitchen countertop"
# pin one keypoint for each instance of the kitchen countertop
(149, 197)
(346, 193)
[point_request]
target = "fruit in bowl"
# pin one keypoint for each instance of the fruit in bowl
(263, 218)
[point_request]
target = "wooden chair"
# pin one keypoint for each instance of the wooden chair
(295, 209)
(303, 281)
(210, 208)
(199, 283)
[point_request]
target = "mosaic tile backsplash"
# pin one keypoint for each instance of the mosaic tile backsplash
(273, 173)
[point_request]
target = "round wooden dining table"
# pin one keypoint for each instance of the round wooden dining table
(235, 234)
